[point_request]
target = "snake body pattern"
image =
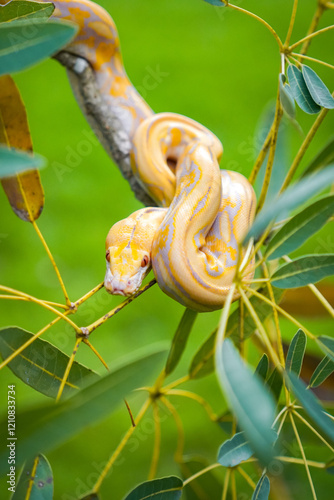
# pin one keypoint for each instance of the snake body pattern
(192, 241)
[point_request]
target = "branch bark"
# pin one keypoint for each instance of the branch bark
(106, 125)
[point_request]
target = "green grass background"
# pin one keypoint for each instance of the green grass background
(220, 68)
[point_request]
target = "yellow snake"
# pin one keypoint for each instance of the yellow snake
(193, 241)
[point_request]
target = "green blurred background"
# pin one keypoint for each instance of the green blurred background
(218, 67)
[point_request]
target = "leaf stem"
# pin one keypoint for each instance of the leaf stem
(90, 328)
(293, 460)
(195, 397)
(176, 383)
(97, 354)
(313, 59)
(226, 483)
(68, 368)
(313, 26)
(246, 477)
(313, 430)
(120, 447)
(179, 426)
(310, 36)
(292, 22)
(261, 156)
(53, 262)
(303, 148)
(304, 457)
(157, 442)
(27, 299)
(200, 473)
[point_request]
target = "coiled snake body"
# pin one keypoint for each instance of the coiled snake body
(193, 241)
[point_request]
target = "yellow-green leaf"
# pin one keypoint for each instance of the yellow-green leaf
(35, 481)
(25, 10)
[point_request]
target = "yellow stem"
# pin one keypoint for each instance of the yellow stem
(86, 341)
(68, 368)
(179, 426)
(261, 156)
(200, 473)
(89, 329)
(272, 150)
(310, 463)
(292, 22)
(120, 447)
(303, 148)
(195, 397)
(313, 26)
(283, 312)
(302, 419)
(246, 476)
(14, 297)
(41, 237)
(262, 21)
(304, 457)
(89, 294)
(261, 330)
(226, 483)
(157, 442)
(176, 383)
(303, 56)
(233, 485)
(310, 36)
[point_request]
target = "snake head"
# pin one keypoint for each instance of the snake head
(128, 251)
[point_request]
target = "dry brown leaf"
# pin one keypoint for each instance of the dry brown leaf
(24, 191)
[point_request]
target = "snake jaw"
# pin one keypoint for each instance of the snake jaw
(125, 285)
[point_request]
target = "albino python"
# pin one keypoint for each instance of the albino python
(192, 242)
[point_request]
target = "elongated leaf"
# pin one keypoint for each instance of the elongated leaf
(13, 162)
(295, 356)
(262, 489)
(22, 9)
(23, 44)
(250, 400)
(203, 361)
(304, 270)
(301, 227)
(234, 451)
(318, 90)
(41, 365)
(311, 404)
(180, 339)
(166, 488)
(48, 426)
(292, 198)
(324, 369)
(275, 384)
(300, 91)
(287, 100)
(327, 345)
(205, 487)
(217, 3)
(35, 478)
(262, 367)
(24, 191)
(322, 159)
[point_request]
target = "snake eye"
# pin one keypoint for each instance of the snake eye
(144, 262)
(108, 255)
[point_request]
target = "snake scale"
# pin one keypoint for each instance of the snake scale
(192, 239)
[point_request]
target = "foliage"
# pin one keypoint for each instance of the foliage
(264, 405)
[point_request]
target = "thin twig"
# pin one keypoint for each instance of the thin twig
(68, 368)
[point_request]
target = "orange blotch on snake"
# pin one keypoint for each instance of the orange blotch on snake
(78, 15)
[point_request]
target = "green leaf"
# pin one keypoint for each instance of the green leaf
(300, 91)
(39, 484)
(275, 383)
(91, 496)
(13, 161)
(322, 159)
(330, 467)
(250, 400)
(217, 3)
(262, 367)
(234, 451)
(203, 361)
(41, 365)
(318, 90)
(262, 489)
(22, 9)
(205, 487)
(326, 344)
(311, 404)
(180, 339)
(21, 46)
(48, 426)
(300, 228)
(324, 369)
(286, 97)
(166, 488)
(303, 271)
(292, 198)
(295, 356)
